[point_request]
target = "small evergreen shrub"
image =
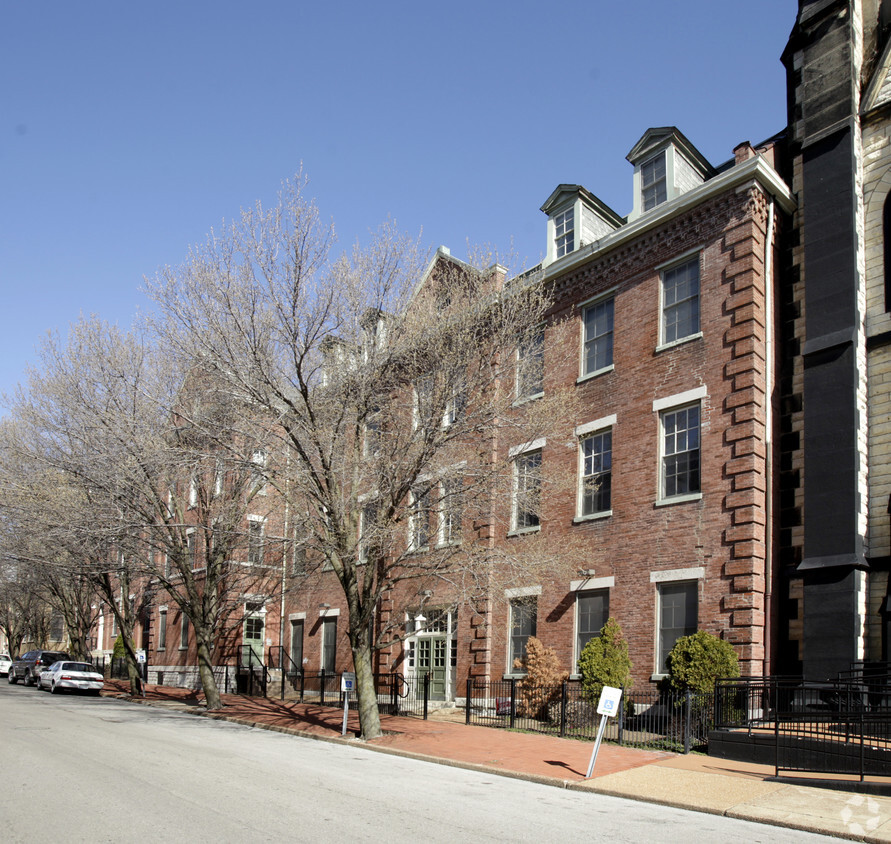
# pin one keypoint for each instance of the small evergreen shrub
(119, 651)
(696, 661)
(543, 681)
(604, 661)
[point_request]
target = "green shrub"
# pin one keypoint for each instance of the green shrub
(119, 651)
(604, 661)
(696, 661)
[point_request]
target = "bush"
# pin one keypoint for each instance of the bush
(119, 651)
(543, 681)
(604, 661)
(696, 661)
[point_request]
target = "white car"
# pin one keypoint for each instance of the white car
(77, 676)
(5, 664)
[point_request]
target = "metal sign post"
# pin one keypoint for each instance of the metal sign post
(347, 684)
(608, 707)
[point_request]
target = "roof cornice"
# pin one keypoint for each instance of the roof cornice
(754, 170)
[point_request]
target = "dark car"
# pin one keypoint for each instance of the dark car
(27, 667)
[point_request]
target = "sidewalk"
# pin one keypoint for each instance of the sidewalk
(735, 789)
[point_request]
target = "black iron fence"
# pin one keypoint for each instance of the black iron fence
(839, 727)
(648, 719)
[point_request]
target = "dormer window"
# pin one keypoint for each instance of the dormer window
(652, 182)
(564, 232)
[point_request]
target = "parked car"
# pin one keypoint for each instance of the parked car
(78, 676)
(5, 663)
(27, 668)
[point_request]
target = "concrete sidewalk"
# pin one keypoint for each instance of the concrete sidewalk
(736, 789)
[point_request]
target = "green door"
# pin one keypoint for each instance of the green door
(432, 653)
(254, 629)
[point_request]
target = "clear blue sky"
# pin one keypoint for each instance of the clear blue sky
(128, 130)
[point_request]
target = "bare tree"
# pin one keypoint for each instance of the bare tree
(153, 449)
(394, 387)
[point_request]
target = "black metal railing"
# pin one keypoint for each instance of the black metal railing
(252, 675)
(841, 726)
(675, 721)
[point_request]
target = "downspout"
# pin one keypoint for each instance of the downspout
(768, 436)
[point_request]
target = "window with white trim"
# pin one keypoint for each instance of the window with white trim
(596, 459)
(591, 613)
(184, 632)
(530, 365)
(680, 301)
(680, 451)
(419, 519)
(255, 541)
(598, 345)
(457, 403)
(192, 548)
(678, 607)
(653, 184)
(162, 629)
(193, 489)
(367, 535)
(526, 513)
(450, 505)
(259, 460)
(329, 644)
(564, 232)
(523, 624)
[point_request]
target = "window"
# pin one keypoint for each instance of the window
(329, 644)
(191, 544)
(296, 646)
(677, 617)
(184, 632)
(652, 182)
(258, 471)
(680, 301)
(564, 233)
(219, 476)
(598, 352)
(419, 520)
(255, 542)
(424, 392)
(527, 491)
(457, 403)
(193, 489)
(680, 451)
(591, 613)
(372, 433)
(530, 365)
(596, 453)
(367, 534)
(162, 629)
(450, 505)
(523, 623)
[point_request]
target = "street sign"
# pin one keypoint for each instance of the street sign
(609, 701)
(348, 681)
(608, 707)
(140, 655)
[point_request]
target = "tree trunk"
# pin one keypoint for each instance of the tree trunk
(205, 672)
(369, 714)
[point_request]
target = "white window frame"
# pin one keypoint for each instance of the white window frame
(689, 259)
(525, 353)
(564, 235)
(162, 629)
(665, 407)
(193, 489)
(183, 632)
(259, 461)
(523, 454)
(656, 182)
(516, 597)
(419, 520)
(583, 433)
(256, 534)
(449, 516)
(584, 372)
(690, 577)
(192, 549)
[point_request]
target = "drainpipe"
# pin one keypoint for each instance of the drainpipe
(768, 436)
